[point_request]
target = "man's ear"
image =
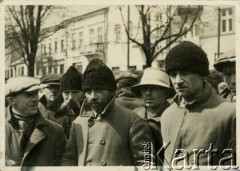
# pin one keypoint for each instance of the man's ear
(10, 100)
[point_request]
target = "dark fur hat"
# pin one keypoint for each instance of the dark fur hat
(187, 56)
(71, 80)
(98, 76)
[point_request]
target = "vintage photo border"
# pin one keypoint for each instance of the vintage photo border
(106, 2)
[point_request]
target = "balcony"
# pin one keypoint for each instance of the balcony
(95, 48)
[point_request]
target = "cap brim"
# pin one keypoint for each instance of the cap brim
(33, 88)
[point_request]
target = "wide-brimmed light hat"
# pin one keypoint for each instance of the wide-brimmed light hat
(152, 76)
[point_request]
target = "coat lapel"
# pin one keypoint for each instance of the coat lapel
(36, 137)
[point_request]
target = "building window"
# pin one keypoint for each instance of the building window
(100, 35)
(196, 30)
(61, 68)
(50, 49)
(80, 39)
(91, 36)
(118, 32)
(22, 70)
(158, 17)
(44, 49)
(227, 20)
(55, 69)
(114, 69)
(55, 46)
(73, 41)
(62, 45)
(49, 69)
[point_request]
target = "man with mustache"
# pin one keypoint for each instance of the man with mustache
(50, 101)
(227, 66)
(108, 134)
(199, 120)
(30, 139)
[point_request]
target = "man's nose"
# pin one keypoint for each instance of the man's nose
(178, 79)
(93, 95)
(148, 90)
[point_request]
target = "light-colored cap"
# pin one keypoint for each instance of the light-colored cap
(153, 76)
(226, 62)
(21, 84)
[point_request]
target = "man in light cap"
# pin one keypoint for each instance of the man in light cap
(107, 135)
(124, 96)
(29, 137)
(154, 88)
(200, 125)
(227, 66)
(50, 101)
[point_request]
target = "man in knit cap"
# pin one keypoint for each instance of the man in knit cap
(71, 89)
(199, 122)
(227, 66)
(30, 139)
(50, 101)
(106, 135)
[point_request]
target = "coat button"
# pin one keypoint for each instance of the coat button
(103, 163)
(102, 142)
(88, 163)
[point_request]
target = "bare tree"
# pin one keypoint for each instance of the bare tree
(23, 31)
(157, 35)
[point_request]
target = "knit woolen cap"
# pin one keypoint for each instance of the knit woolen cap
(98, 76)
(187, 56)
(71, 80)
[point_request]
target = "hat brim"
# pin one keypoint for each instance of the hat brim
(136, 89)
(33, 88)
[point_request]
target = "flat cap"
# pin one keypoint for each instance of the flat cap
(125, 75)
(21, 84)
(226, 62)
(51, 79)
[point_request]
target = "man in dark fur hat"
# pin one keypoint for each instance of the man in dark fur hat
(71, 89)
(106, 135)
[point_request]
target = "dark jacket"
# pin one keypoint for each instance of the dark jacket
(45, 145)
(128, 100)
(208, 123)
(116, 138)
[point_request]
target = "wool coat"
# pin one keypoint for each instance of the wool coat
(207, 124)
(128, 100)
(118, 137)
(44, 148)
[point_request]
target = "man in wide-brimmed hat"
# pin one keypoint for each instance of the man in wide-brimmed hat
(108, 134)
(199, 119)
(227, 66)
(31, 140)
(154, 88)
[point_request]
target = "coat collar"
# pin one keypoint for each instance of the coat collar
(38, 134)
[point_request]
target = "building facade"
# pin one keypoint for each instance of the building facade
(101, 34)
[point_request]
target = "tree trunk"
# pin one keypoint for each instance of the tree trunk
(31, 66)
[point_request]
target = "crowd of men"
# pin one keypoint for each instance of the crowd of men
(98, 119)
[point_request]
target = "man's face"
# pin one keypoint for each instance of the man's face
(230, 78)
(98, 99)
(51, 92)
(153, 95)
(25, 103)
(186, 84)
(73, 95)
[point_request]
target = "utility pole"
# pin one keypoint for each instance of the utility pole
(128, 41)
(219, 33)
